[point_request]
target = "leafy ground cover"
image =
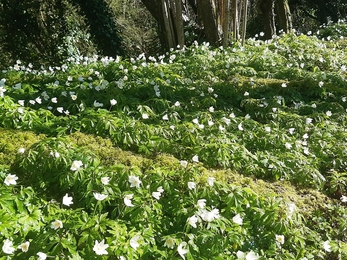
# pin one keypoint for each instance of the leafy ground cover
(201, 153)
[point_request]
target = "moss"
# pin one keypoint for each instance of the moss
(104, 149)
(12, 140)
(306, 200)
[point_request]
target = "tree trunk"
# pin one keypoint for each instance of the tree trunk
(267, 9)
(284, 17)
(207, 15)
(225, 21)
(235, 18)
(244, 20)
(169, 31)
(178, 23)
(156, 10)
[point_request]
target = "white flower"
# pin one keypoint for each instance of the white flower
(288, 145)
(210, 181)
(8, 248)
(191, 185)
(11, 179)
(237, 219)
(165, 117)
(280, 239)
(184, 163)
(308, 120)
(127, 200)
(42, 256)
(226, 120)
(55, 154)
(73, 97)
(268, 129)
(38, 100)
(195, 121)
(306, 151)
(57, 224)
(99, 196)
(284, 85)
(192, 221)
(201, 203)
(156, 194)
(169, 242)
(20, 102)
(134, 181)
(113, 102)
(327, 246)
(240, 127)
(246, 94)
(17, 86)
(343, 198)
(24, 246)
(54, 100)
(60, 109)
(252, 256)
(98, 104)
(76, 165)
(21, 150)
(211, 109)
(2, 91)
(240, 255)
(160, 189)
(290, 209)
(133, 242)
(195, 158)
(208, 216)
(182, 250)
(67, 201)
(320, 84)
(145, 116)
(328, 113)
(100, 248)
(105, 180)
(291, 130)
(177, 104)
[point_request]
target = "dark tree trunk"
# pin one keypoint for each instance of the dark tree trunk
(207, 15)
(284, 17)
(179, 23)
(267, 10)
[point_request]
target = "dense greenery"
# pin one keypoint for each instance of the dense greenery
(202, 153)
(48, 32)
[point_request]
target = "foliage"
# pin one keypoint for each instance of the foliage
(201, 153)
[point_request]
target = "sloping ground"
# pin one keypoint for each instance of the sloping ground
(203, 153)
